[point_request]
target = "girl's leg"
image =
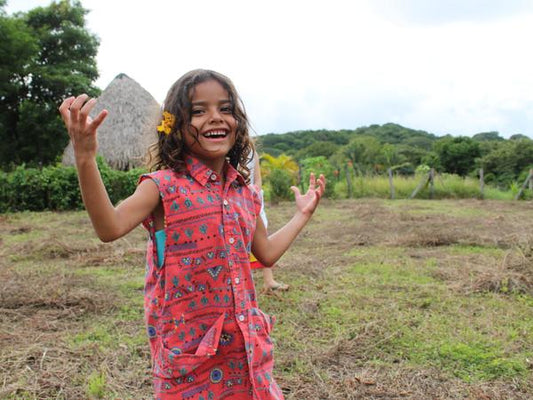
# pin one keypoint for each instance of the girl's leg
(270, 283)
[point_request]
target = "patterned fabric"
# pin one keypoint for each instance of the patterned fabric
(208, 338)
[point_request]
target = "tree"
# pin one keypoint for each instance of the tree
(280, 183)
(60, 61)
(280, 173)
(506, 162)
(487, 136)
(457, 155)
(318, 165)
(519, 136)
(17, 48)
(283, 162)
(363, 152)
(316, 149)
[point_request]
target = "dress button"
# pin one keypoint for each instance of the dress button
(231, 240)
(241, 317)
(225, 202)
(237, 281)
(213, 177)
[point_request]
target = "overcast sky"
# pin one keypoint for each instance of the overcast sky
(444, 66)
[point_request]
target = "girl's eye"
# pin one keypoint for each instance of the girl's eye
(196, 112)
(226, 109)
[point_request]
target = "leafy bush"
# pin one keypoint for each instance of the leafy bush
(56, 187)
(280, 182)
(319, 165)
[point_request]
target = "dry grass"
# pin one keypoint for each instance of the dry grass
(380, 293)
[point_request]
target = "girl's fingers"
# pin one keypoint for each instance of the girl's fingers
(321, 186)
(75, 113)
(76, 106)
(312, 181)
(86, 110)
(296, 191)
(64, 109)
(87, 107)
(99, 119)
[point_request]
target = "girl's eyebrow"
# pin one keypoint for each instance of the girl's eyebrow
(203, 102)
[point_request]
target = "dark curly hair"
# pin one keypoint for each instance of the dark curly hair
(169, 150)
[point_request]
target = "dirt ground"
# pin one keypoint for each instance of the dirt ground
(71, 308)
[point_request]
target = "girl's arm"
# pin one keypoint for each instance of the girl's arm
(108, 221)
(268, 249)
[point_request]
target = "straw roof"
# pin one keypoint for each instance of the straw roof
(130, 126)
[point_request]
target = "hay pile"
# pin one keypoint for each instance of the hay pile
(130, 127)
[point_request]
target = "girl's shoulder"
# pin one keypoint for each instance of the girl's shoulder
(162, 177)
(160, 173)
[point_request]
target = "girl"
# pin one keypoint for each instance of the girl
(270, 284)
(208, 339)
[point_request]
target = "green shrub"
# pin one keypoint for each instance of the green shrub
(25, 190)
(56, 188)
(63, 191)
(319, 165)
(280, 183)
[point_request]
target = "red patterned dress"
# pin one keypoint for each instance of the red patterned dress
(208, 338)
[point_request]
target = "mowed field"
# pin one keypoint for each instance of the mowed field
(406, 299)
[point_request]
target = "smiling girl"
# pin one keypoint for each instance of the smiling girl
(208, 338)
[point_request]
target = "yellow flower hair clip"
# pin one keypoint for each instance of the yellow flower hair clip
(167, 123)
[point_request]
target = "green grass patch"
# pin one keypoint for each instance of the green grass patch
(96, 385)
(371, 300)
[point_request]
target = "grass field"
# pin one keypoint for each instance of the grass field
(406, 299)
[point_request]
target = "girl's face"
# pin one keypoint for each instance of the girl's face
(212, 132)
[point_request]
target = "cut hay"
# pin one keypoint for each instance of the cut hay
(130, 127)
(513, 275)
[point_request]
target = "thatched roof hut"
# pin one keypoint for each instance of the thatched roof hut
(130, 126)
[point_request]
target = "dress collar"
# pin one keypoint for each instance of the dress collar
(203, 174)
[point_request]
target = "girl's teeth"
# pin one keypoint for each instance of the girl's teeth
(217, 133)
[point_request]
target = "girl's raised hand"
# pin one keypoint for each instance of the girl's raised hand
(308, 202)
(81, 128)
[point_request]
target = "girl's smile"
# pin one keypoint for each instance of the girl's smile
(212, 129)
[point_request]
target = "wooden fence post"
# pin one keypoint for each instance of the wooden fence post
(391, 184)
(422, 183)
(431, 183)
(481, 183)
(348, 180)
(524, 184)
(300, 180)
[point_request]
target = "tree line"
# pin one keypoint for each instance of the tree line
(47, 54)
(375, 149)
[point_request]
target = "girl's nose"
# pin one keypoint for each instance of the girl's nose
(216, 116)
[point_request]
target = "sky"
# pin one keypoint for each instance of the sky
(456, 67)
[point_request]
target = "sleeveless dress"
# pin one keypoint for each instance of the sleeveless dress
(208, 338)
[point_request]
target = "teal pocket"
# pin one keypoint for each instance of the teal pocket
(160, 240)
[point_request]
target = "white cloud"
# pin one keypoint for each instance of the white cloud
(455, 67)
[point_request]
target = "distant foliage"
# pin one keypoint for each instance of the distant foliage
(280, 182)
(319, 165)
(279, 174)
(56, 187)
(375, 149)
(456, 155)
